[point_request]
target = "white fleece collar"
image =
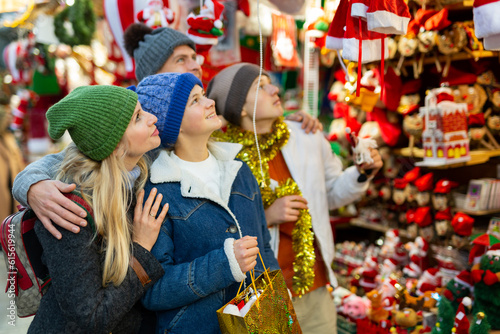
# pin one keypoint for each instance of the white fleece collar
(164, 169)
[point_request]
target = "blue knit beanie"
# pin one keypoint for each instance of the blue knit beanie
(165, 95)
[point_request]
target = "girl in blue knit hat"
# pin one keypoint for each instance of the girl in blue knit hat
(215, 226)
(98, 275)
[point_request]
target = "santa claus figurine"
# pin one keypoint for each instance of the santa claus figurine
(389, 290)
(418, 257)
(461, 324)
(206, 27)
(429, 281)
(369, 273)
(156, 14)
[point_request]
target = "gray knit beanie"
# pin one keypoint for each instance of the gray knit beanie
(156, 48)
(229, 89)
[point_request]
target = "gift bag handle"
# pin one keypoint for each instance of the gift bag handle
(252, 276)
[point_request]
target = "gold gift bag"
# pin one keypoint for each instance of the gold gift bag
(271, 313)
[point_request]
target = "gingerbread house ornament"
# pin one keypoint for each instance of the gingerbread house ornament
(444, 139)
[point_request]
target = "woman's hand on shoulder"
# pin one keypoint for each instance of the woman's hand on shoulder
(147, 221)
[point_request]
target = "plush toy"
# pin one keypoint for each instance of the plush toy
(462, 225)
(444, 322)
(390, 288)
(407, 45)
(156, 14)
(389, 266)
(206, 27)
(442, 220)
(480, 325)
(429, 281)
(410, 189)
(417, 251)
(398, 192)
(355, 307)
(376, 312)
(441, 196)
(461, 324)
(459, 287)
(411, 226)
(488, 286)
(423, 218)
(391, 241)
(368, 273)
(406, 320)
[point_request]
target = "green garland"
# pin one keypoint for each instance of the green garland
(82, 18)
(302, 234)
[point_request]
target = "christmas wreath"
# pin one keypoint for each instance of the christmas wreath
(82, 18)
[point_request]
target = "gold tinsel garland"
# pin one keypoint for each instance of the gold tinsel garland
(302, 234)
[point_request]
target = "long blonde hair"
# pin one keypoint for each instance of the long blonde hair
(105, 185)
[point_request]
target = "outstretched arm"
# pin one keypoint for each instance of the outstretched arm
(35, 187)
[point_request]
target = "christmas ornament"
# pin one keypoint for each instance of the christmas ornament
(156, 14)
(206, 27)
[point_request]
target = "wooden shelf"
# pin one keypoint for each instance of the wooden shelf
(478, 212)
(374, 226)
(453, 57)
(476, 157)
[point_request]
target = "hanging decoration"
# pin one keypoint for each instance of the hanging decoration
(82, 19)
(227, 50)
(18, 59)
(206, 27)
(361, 29)
(156, 14)
(284, 41)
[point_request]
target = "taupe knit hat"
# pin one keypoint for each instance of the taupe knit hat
(229, 89)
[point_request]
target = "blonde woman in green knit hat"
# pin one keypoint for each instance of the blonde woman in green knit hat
(99, 274)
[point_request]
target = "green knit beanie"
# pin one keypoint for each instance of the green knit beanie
(96, 118)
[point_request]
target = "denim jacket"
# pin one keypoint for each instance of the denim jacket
(195, 245)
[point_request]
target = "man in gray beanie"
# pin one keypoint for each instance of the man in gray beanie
(162, 50)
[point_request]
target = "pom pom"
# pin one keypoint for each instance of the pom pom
(133, 35)
(218, 24)
(467, 301)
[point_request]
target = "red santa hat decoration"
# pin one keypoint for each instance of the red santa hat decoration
(462, 224)
(425, 182)
(366, 24)
(423, 216)
(486, 23)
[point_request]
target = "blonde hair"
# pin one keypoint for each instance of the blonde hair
(105, 185)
